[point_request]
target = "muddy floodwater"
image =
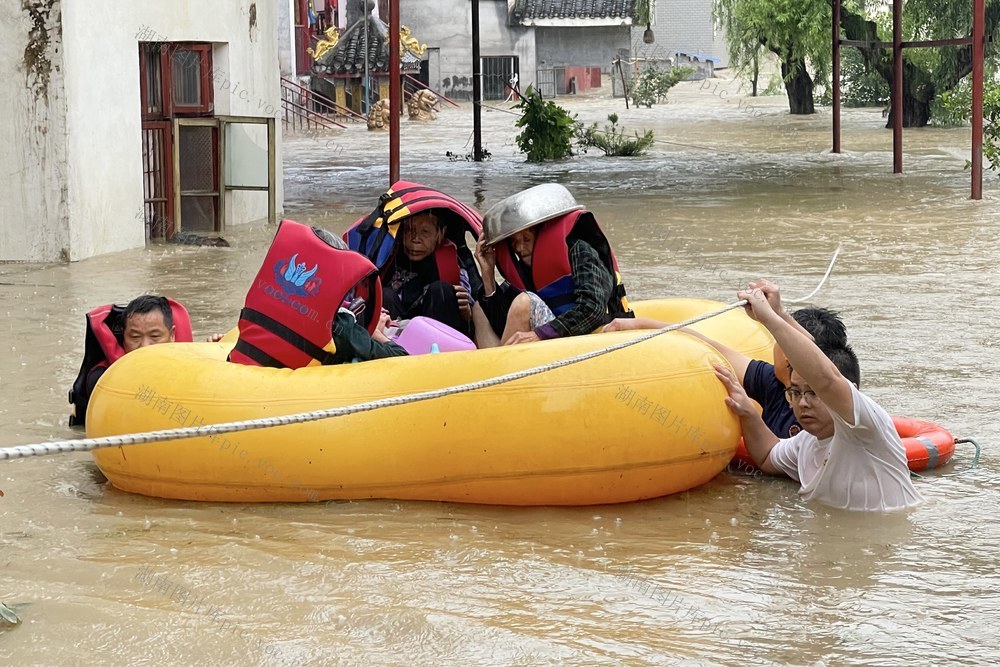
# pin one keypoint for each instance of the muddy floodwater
(739, 571)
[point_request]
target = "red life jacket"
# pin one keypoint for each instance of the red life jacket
(287, 320)
(445, 258)
(103, 346)
(550, 275)
(375, 234)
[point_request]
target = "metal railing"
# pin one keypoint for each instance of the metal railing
(306, 107)
(412, 84)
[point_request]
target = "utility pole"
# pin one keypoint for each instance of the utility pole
(477, 88)
(395, 94)
(364, 87)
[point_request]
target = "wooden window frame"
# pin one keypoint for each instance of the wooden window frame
(207, 106)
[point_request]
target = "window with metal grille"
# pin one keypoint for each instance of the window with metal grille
(498, 72)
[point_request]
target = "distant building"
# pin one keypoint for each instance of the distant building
(118, 118)
(559, 46)
(687, 27)
(339, 73)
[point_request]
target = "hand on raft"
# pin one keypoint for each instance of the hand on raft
(738, 401)
(620, 324)
(522, 337)
(214, 338)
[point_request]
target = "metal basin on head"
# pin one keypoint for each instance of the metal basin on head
(527, 209)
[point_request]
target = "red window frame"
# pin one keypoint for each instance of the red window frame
(171, 108)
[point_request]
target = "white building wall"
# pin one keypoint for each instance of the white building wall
(448, 27)
(683, 26)
(34, 222)
(286, 38)
(80, 154)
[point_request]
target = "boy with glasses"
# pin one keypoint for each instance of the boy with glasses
(848, 455)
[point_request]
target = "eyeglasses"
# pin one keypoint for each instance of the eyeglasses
(794, 395)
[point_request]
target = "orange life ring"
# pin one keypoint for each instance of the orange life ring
(928, 446)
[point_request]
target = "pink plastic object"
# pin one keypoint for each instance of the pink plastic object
(421, 332)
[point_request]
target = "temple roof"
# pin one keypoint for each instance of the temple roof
(347, 57)
(571, 12)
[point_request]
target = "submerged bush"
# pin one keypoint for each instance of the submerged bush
(613, 140)
(651, 85)
(548, 128)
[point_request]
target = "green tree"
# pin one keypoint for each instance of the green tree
(926, 72)
(548, 129)
(796, 31)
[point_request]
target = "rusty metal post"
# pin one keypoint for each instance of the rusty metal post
(836, 76)
(978, 55)
(395, 94)
(897, 86)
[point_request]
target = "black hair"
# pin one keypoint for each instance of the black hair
(147, 303)
(826, 327)
(846, 361)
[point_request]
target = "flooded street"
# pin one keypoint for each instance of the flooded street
(739, 571)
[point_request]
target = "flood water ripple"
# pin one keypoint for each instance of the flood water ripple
(739, 571)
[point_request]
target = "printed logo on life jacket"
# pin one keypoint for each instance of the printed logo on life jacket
(293, 277)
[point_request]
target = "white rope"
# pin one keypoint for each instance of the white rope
(90, 444)
(826, 275)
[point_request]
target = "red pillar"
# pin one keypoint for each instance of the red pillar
(395, 94)
(836, 76)
(303, 62)
(978, 54)
(897, 86)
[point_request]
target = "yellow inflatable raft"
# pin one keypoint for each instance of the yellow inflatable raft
(639, 423)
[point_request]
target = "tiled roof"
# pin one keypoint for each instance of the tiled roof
(348, 56)
(528, 10)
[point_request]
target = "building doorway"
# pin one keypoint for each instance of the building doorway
(175, 82)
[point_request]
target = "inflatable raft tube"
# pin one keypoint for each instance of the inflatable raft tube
(643, 422)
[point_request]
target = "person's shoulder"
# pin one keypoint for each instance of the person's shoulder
(759, 377)
(870, 418)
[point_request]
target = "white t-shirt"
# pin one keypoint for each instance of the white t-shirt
(861, 467)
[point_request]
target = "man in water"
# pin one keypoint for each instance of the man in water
(848, 455)
(147, 320)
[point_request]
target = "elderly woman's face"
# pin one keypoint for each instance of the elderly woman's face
(523, 243)
(421, 236)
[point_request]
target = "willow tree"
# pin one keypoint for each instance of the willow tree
(796, 31)
(926, 72)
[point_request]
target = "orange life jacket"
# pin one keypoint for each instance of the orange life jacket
(287, 320)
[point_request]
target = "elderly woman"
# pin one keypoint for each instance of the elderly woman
(561, 275)
(416, 236)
